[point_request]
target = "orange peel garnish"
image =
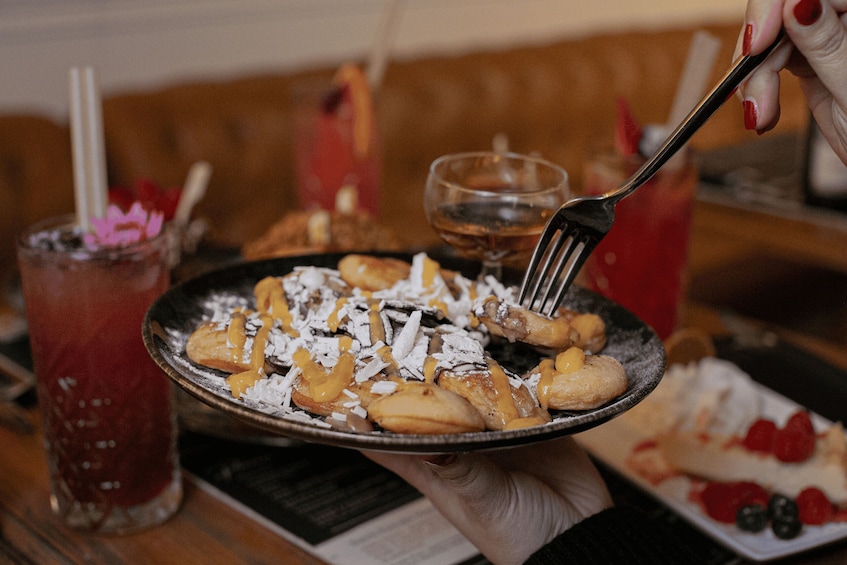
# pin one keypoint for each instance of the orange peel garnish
(352, 77)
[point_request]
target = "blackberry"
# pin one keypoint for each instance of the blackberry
(781, 507)
(752, 518)
(787, 528)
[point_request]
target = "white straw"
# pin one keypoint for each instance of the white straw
(78, 148)
(89, 153)
(192, 192)
(378, 59)
(695, 75)
(99, 188)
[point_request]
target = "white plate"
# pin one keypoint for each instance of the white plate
(612, 443)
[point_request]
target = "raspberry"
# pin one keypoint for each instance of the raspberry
(801, 421)
(167, 202)
(813, 507)
(146, 191)
(722, 501)
(793, 445)
(121, 197)
(760, 436)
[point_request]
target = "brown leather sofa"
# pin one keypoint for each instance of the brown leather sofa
(552, 98)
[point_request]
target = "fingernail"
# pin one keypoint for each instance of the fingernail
(748, 40)
(441, 460)
(807, 12)
(750, 117)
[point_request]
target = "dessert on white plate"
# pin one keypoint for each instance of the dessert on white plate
(717, 444)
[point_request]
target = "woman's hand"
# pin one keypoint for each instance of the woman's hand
(507, 502)
(817, 54)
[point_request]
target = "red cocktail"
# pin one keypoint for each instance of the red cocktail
(336, 143)
(108, 424)
(642, 262)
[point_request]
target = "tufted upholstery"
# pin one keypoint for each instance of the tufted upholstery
(553, 98)
(36, 176)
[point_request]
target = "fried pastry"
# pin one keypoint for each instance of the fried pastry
(501, 405)
(516, 323)
(372, 273)
(424, 408)
(581, 385)
(209, 346)
(320, 231)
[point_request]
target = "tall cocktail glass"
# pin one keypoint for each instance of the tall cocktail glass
(642, 262)
(108, 426)
(336, 142)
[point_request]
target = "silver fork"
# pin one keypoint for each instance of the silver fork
(578, 226)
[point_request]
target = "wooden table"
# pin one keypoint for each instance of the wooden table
(205, 528)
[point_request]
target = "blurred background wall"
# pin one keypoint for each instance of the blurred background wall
(137, 44)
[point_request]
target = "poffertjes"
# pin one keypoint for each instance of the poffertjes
(381, 343)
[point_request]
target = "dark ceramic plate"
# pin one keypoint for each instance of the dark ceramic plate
(180, 310)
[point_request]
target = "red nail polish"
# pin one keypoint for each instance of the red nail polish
(748, 40)
(749, 114)
(807, 12)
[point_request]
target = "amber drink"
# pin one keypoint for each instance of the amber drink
(492, 207)
(108, 426)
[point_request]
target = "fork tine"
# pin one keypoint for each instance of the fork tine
(580, 252)
(557, 260)
(545, 285)
(541, 248)
(548, 247)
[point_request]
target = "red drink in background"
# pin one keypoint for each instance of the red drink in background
(336, 142)
(642, 262)
(108, 424)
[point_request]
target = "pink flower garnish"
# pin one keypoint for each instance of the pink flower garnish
(120, 230)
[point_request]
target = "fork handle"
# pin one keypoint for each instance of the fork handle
(742, 67)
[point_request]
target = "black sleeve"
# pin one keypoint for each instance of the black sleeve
(617, 535)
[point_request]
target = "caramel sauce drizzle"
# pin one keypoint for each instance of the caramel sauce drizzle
(257, 354)
(436, 343)
(526, 422)
(377, 330)
(325, 385)
(333, 320)
(545, 383)
(570, 360)
(439, 304)
(429, 369)
(240, 382)
(236, 335)
(392, 371)
(270, 298)
(505, 403)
